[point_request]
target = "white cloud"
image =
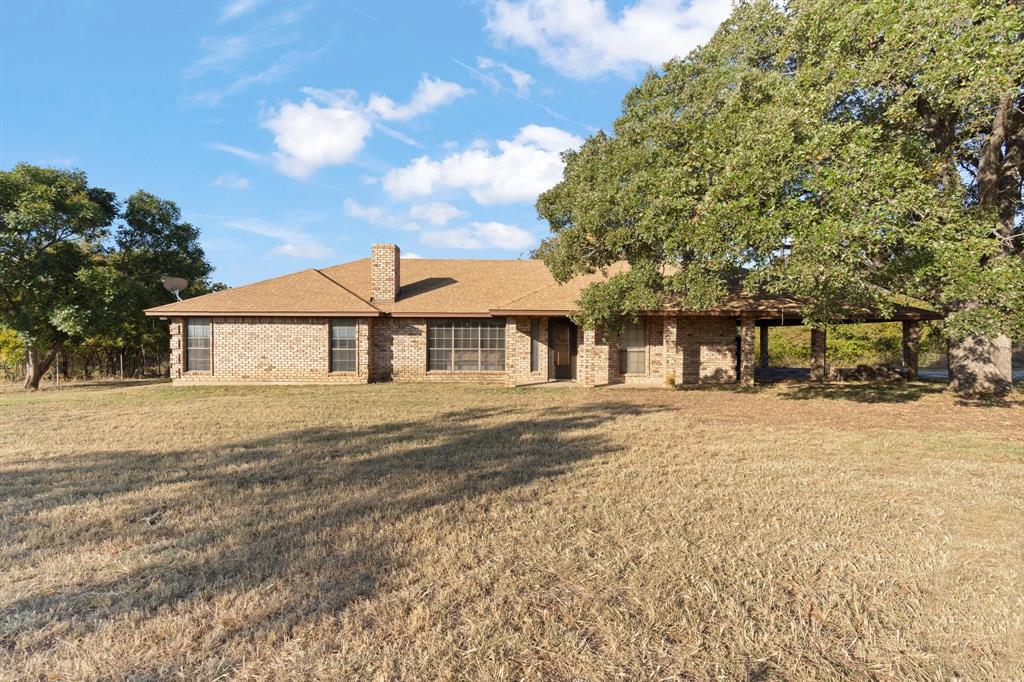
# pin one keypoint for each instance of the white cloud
(401, 137)
(521, 81)
(237, 8)
(232, 181)
(294, 243)
(582, 39)
(435, 212)
(330, 127)
(521, 169)
(410, 254)
(221, 54)
(430, 94)
(310, 136)
(481, 236)
(377, 215)
(237, 151)
(286, 64)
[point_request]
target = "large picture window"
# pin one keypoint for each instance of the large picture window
(466, 345)
(343, 345)
(197, 344)
(633, 349)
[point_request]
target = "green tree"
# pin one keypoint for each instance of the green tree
(52, 225)
(68, 275)
(150, 242)
(839, 152)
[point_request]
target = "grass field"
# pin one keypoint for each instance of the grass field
(458, 532)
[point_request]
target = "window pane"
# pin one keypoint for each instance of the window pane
(197, 344)
(633, 349)
(343, 345)
(343, 329)
(637, 362)
(466, 345)
(439, 359)
(633, 335)
(492, 360)
(467, 360)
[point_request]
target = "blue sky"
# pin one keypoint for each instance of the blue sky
(294, 135)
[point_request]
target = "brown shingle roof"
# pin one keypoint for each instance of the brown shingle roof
(555, 297)
(448, 286)
(300, 293)
(451, 287)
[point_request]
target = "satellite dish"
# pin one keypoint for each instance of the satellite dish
(174, 285)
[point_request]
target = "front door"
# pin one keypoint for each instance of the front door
(563, 349)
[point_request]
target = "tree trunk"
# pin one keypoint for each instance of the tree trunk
(35, 367)
(981, 366)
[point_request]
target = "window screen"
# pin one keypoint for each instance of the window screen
(197, 344)
(466, 345)
(343, 345)
(633, 349)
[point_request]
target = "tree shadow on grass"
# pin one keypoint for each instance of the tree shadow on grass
(868, 392)
(315, 517)
(889, 392)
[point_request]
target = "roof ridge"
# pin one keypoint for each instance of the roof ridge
(345, 289)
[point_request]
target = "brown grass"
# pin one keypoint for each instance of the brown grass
(457, 532)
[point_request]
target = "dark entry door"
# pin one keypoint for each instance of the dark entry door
(563, 349)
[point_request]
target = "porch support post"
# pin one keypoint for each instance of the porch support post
(673, 366)
(747, 350)
(819, 363)
(911, 347)
(593, 359)
(763, 326)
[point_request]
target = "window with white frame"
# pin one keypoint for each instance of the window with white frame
(343, 345)
(633, 348)
(197, 344)
(466, 345)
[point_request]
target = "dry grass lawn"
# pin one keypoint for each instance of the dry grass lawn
(460, 532)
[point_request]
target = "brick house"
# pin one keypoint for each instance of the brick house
(499, 321)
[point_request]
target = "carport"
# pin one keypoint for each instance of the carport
(759, 315)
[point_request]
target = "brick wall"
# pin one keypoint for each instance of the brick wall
(672, 369)
(517, 360)
(271, 349)
(708, 347)
(597, 361)
(276, 349)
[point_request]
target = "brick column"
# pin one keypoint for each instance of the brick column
(592, 360)
(819, 363)
(364, 348)
(764, 344)
(673, 365)
(747, 350)
(911, 346)
(175, 362)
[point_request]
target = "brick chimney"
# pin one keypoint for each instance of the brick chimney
(385, 261)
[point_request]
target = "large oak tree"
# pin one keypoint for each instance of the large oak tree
(845, 153)
(76, 265)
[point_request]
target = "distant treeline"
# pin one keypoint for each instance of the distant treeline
(84, 362)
